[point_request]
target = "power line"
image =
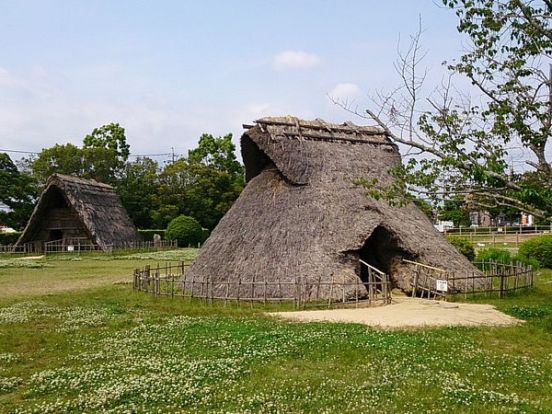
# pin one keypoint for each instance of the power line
(19, 152)
(165, 154)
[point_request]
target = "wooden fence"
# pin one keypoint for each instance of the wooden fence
(173, 280)
(84, 245)
(502, 236)
(23, 248)
(494, 278)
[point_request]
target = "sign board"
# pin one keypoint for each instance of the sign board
(442, 285)
(70, 248)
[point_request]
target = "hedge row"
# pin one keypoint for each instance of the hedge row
(9, 238)
(536, 251)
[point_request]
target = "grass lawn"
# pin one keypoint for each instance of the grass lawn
(72, 341)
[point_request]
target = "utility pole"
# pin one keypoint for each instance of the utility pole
(172, 148)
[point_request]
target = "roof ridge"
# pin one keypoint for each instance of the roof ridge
(318, 124)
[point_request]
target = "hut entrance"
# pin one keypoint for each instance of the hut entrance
(380, 250)
(55, 234)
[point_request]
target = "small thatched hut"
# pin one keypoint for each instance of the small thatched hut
(74, 212)
(301, 214)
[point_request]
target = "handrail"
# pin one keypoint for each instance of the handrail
(372, 268)
(424, 265)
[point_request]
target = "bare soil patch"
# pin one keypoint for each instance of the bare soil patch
(409, 313)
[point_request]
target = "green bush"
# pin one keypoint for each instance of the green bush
(147, 235)
(529, 311)
(493, 254)
(463, 245)
(186, 230)
(538, 248)
(9, 238)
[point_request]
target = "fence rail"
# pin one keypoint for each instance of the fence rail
(173, 280)
(83, 245)
(13, 249)
(494, 278)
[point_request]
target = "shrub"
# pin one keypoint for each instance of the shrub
(493, 254)
(186, 230)
(529, 311)
(463, 245)
(503, 256)
(9, 238)
(538, 248)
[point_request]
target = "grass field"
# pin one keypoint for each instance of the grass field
(73, 341)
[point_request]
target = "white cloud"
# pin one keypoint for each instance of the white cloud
(295, 59)
(345, 92)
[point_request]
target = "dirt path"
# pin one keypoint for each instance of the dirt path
(408, 312)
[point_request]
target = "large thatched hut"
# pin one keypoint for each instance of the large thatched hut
(73, 212)
(301, 213)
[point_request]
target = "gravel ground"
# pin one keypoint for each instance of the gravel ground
(409, 313)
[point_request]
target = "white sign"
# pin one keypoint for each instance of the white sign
(442, 285)
(70, 248)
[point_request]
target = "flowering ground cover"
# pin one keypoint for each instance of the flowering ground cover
(60, 273)
(109, 349)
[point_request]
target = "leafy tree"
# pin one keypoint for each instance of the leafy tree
(218, 153)
(138, 189)
(62, 159)
(467, 145)
(106, 152)
(426, 207)
(199, 190)
(103, 157)
(17, 192)
(455, 210)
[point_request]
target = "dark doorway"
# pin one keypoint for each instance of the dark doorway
(380, 250)
(55, 235)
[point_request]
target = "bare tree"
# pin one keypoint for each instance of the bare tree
(455, 146)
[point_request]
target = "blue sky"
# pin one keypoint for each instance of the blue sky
(171, 70)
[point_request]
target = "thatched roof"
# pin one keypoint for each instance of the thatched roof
(301, 214)
(98, 207)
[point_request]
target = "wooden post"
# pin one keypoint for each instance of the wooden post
(415, 283)
(238, 293)
(318, 288)
(210, 283)
(331, 291)
(264, 293)
(192, 293)
(343, 288)
(183, 284)
(296, 293)
(356, 292)
(226, 293)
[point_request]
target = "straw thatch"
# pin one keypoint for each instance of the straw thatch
(72, 208)
(302, 215)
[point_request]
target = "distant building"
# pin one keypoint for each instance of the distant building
(73, 211)
(443, 225)
(481, 219)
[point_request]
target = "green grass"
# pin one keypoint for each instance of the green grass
(21, 277)
(100, 347)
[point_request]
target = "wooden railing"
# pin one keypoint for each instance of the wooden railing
(82, 245)
(174, 280)
(493, 278)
